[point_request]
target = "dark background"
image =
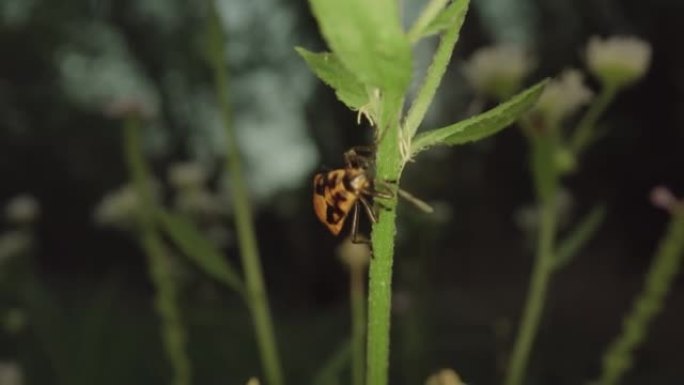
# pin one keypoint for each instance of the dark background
(461, 275)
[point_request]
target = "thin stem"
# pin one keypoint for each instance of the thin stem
(389, 165)
(584, 133)
(166, 300)
(667, 262)
(536, 297)
(249, 252)
(546, 180)
(433, 78)
(358, 303)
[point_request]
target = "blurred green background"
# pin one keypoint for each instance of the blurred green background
(75, 297)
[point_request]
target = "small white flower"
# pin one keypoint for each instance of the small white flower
(118, 207)
(185, 175)
(563, 96)
(618, 61)
(13, 243)
(445, 377)
(498, 71)
(22, 209)
(663, 198)
(10, 374)
(253, 381)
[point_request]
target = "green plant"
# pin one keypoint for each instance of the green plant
(184, 234)
(157, 254)
(255, 293)
(617, 63)
(370, 68)
(665, 266)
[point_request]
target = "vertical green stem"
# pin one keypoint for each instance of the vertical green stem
(667, 262)
(584, 132)
(249, 252)
(388, 168)
(358, 303)
(173, 333)
(536, 296)
(380, 298)
(546, 180)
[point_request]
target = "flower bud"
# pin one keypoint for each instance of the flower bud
(444, 377)
(22, 209)
(563, 96)
(618, 61)
(498, 71)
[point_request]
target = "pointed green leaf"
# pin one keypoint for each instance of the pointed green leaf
(199, 249)
(368, 39)
(482, 125)
(454, 13)
(328, 68)
(437, 68)
(579, 237)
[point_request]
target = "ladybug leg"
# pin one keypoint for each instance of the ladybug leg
(356, 237)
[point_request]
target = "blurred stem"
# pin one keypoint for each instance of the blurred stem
(358, 303)
(667, 262)
(584, 133)
(256, 291)
(546, 184)
(173, 333)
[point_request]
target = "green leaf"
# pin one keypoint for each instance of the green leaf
(328, 68)
(454, 13)
(480, 126)
(199, 249)
(368, 39)
(437, 68)
(579, 237)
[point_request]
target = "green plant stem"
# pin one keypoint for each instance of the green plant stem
(546, 180)
(388, 168)
(433, 77)
(666, 265)
(389, 164)
(249, 252)
(166, 300)
(584, 133)
(358, 303)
